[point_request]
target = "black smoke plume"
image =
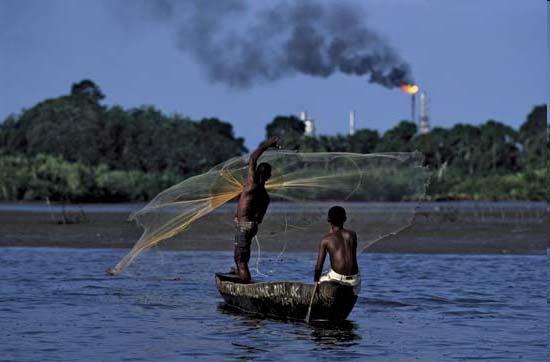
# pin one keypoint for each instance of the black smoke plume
(241, 46)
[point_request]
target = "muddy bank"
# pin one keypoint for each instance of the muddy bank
(452, 227)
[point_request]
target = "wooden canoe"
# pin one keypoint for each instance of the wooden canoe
(287, 300)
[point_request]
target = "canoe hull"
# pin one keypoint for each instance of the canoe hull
(288, 300)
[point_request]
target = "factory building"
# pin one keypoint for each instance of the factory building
(310, 124)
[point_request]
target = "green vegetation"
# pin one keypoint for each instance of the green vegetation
(78, 128)
(38, 177)
(487, 162)
(73, 148)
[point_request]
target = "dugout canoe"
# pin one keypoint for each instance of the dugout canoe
(287, 300)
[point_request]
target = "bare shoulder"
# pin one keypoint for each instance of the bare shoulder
(327, 238)
(351, 234)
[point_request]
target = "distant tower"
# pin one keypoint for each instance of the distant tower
(310, 126)
(351, 123)
(424, 126)
(303, 116)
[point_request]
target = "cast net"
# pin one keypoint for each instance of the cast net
(379, 192)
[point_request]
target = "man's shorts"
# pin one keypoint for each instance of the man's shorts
(244, 232)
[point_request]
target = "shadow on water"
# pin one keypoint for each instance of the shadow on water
(245, 317)
(339, 334)
(324, 333)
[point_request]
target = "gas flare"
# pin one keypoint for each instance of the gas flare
(409, 88)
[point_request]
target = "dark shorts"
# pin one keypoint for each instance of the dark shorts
(243, 239)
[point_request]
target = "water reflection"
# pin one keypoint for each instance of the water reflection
(340, 334)
(324, 333)
(246, 319)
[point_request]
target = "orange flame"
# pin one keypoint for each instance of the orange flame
(409, 88)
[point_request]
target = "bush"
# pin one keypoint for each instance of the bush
(50, 177)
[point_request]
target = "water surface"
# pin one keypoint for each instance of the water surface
(57, 304)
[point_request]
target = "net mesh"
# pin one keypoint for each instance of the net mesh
(302, 188)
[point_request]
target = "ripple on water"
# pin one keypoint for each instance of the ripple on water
(462, 307)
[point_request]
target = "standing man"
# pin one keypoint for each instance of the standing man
(341, 245)
(253, 203)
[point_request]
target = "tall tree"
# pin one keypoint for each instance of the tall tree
(79, 129)
(434, 147)
(290, 128)
(364, 141)
(399, 138)
(497, 151)
(87, 88)
(533, 135)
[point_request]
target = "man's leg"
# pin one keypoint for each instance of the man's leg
(242, 256)
(244, 273)
(242, 253)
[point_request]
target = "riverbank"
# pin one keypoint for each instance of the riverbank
(447, 227)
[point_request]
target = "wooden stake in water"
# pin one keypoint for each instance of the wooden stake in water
(308, 315)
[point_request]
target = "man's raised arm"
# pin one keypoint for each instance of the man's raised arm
(253, 160)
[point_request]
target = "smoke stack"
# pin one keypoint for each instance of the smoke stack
(351, 123)
(413, 108)
(411, 89)
(310, 126)
(424, 126)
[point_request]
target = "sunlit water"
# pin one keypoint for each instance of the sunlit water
(57, 304)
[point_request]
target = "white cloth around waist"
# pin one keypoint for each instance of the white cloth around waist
(351, 280)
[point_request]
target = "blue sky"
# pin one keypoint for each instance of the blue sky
(477, 59)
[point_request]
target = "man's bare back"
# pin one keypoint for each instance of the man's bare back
(253, 203)
(341, 246)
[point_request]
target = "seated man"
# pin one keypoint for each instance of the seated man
(341, 245)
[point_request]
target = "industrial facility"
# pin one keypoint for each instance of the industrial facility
(423, 122)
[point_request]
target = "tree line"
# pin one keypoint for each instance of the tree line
(76, 139)
(490, 161)
(75, 148)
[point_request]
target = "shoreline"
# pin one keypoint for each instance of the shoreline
(437, 228)
(313, 252)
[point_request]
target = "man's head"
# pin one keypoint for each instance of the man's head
(337, 216)
(263, 172)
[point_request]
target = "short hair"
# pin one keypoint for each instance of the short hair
(337, 215)
(264, 168)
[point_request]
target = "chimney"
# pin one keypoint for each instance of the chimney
(424, 124)
(310, 126)
(351, 123)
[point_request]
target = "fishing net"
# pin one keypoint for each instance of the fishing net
(302, 188)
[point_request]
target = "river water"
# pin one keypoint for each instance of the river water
(57, 304)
